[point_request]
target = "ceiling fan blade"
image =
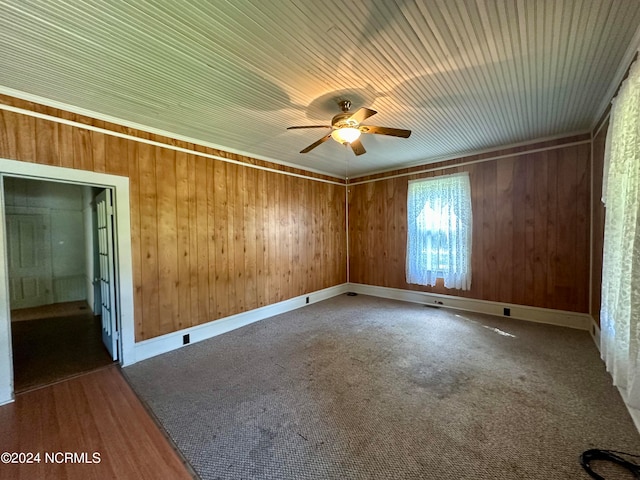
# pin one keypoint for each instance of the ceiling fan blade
(357, 147)
(394, 132)
(310, 126)
(362, 114)
(315, 144)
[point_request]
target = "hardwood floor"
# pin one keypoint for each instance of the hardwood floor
(48, 350)
(95, 416)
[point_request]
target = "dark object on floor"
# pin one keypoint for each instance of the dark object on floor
(608, 456)
(351, 294)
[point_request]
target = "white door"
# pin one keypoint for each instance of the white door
(104, 209)
(29, 251)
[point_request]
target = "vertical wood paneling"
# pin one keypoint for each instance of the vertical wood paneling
(209, 239)
(294, 195)
(82, 158)
(504, 212)
(148, 244)
(554, 221)
(222, 242)
(65, 145)
(26, 148)
(540, 234)
(212, 238)
(518, 216)
(260, 199)
(8, 135)
(476, 178)
(134, 196)
(97, 148)
(530, 229)
(282, 248)
(490, 249)
(183, 312)
(303, 233)
(250, 240)
(116, 154)
(202, 231)
(583, 219)
(239, 239)
(47, 142)
(530, 234)
(167, 237)
(567, 230)
(270, 219)
(193, 313)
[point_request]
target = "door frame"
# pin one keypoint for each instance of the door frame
(122, 254)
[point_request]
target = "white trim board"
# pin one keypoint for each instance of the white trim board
(470, 153)
(144, 128)
(120, 186)
(83, 126)
(561, 318)
(469, 162)
(174, 340)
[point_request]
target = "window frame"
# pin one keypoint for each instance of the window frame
(453, 194)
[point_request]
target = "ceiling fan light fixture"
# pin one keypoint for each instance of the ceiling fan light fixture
(345, 135)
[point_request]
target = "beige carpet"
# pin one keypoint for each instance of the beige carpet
(366, 388)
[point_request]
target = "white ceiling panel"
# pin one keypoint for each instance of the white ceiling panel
(462, 75)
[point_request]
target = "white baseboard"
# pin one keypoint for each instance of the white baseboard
(580, 321)
(172, 341)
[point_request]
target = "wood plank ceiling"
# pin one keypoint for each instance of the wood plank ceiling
(462, 75)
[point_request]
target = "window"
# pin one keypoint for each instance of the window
(439, 231)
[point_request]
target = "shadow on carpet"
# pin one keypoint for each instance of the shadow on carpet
(367, 388)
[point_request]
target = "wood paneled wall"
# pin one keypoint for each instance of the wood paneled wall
(530, 228)
(597, 221)
(209, 238)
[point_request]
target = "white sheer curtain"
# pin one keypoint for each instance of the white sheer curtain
(620, 310)
(439, 231)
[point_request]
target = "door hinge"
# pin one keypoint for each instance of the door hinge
(116, 335)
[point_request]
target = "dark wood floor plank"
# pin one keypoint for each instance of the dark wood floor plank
(97, 412)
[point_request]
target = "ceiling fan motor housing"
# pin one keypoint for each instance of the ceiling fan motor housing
(342, 120)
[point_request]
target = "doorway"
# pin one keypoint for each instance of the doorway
(58, 317)
(122, 275)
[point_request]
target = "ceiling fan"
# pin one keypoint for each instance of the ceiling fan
(346, 128)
